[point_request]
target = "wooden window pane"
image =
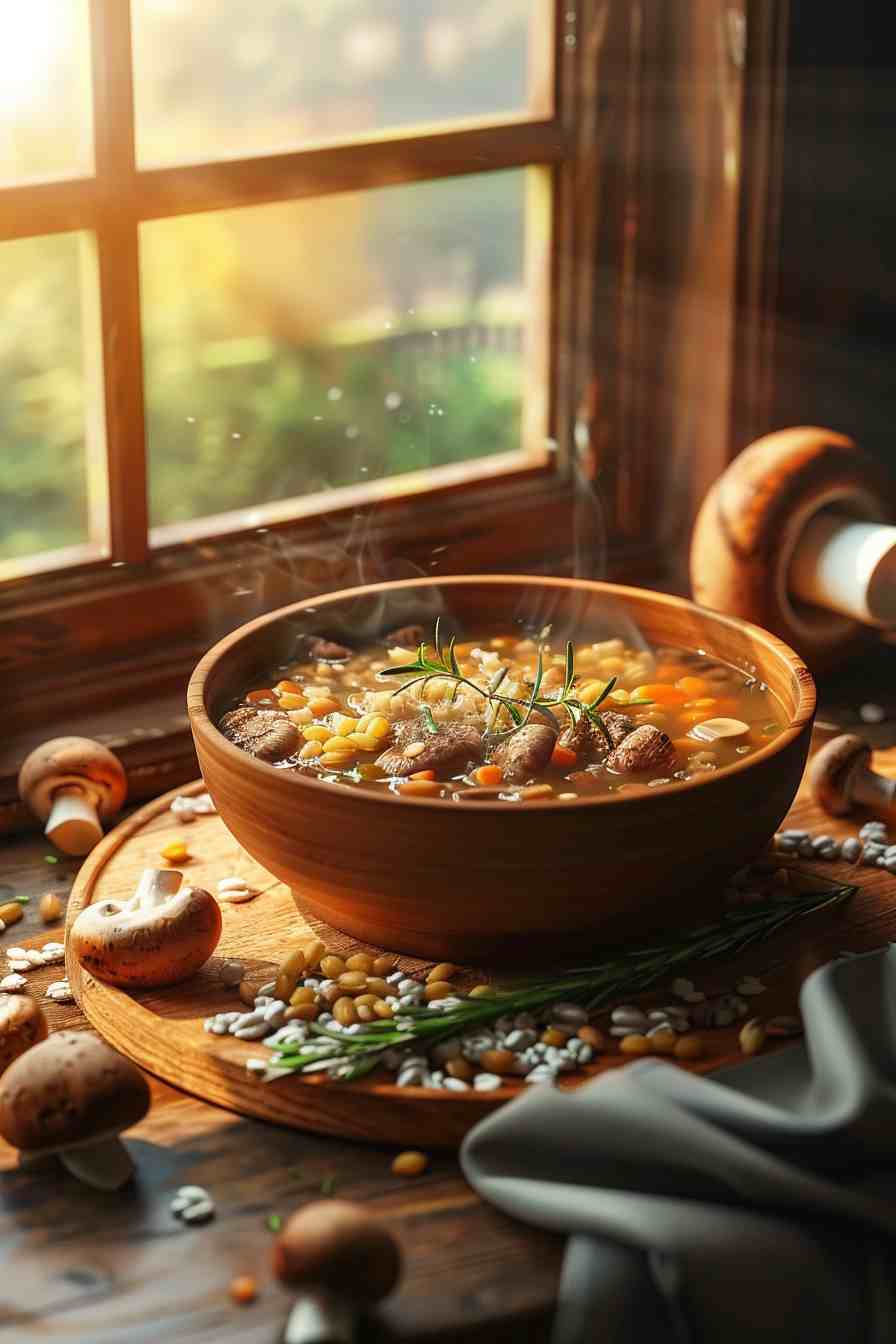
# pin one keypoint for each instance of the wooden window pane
(45, 100)
(52, 491)
(225, 79)
(328, 343)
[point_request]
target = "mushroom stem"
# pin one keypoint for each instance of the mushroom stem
(874, 791)
(73, 825)
(320, 1318)
(106, 1165)
(155, 886)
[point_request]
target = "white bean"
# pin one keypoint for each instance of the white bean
(487, 1082)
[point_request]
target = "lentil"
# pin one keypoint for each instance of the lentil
(437, 990)
(444, 971)
(553, 1036)
(460, 1068)
(333, 966)
(10, 914)
(752, 1036)
(635, 1044)
(384, 965)
(592, 1036)
(176, 852)
(497, 1061)
(689, 1047)
(289, 974)
(410, 1163)
(360, 961)
(50, 907)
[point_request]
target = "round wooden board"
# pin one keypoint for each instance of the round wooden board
(162, 1031)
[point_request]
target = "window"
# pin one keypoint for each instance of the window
(280, 259)
(275, 273)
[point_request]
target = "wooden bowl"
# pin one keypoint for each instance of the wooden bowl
(494, 881)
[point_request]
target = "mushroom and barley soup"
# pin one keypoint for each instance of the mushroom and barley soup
(502, 717)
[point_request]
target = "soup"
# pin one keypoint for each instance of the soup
(502, 717)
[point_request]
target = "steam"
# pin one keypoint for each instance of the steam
(277, 570)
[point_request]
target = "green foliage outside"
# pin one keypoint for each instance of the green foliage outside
(263, 379)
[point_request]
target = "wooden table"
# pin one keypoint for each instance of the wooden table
(77, 1265)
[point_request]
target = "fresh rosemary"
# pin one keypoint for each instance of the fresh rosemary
(598, 986)
(443, 664)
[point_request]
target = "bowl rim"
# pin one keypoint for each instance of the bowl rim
(201, 721)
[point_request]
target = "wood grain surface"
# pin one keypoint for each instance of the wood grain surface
(81, 1267)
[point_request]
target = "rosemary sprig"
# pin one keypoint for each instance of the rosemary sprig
(442, 663)
(597, 986)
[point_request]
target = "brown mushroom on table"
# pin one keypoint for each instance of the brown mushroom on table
(71, 1096)
(840, 777)
(73, 784)
(22, 1024)
(343, 1259)
(160, 936)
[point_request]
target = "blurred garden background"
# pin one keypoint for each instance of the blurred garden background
(288, 347)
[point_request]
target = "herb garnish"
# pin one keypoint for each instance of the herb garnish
(442, 663)
(598, 986)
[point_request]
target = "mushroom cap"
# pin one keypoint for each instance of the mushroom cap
(145, 943)
(68, 1090)
(22, 1024)
(336, 1244)
(73, 761)
(831, 771)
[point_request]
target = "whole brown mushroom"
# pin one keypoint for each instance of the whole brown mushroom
(71, 1096)
(73, 784)
(840, 777)
(22, 1024)
(160, 936)
(343, 1259)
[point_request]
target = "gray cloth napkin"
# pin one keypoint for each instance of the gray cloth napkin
(755, 1204)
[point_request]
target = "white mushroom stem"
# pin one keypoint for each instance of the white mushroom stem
(319, 1318)
(106, 1164)
(874, 791)
(847, 566)
(155, 886)
(73, 824)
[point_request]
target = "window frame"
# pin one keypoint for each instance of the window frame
(111, 205)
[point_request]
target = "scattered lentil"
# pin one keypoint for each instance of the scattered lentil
(635, 1044)
(50, 907)
(752, 1036)
(176, 852)
(410, 1163)
(689, 1047)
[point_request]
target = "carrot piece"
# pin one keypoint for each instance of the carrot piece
(423, 774)
(563, 758)
(684, 745)
(488, 775)
(660, 693)
(693, 687)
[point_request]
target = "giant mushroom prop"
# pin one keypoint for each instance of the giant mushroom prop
(841, 778)
(160, 936)
(72, 1096)
(73, 784)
